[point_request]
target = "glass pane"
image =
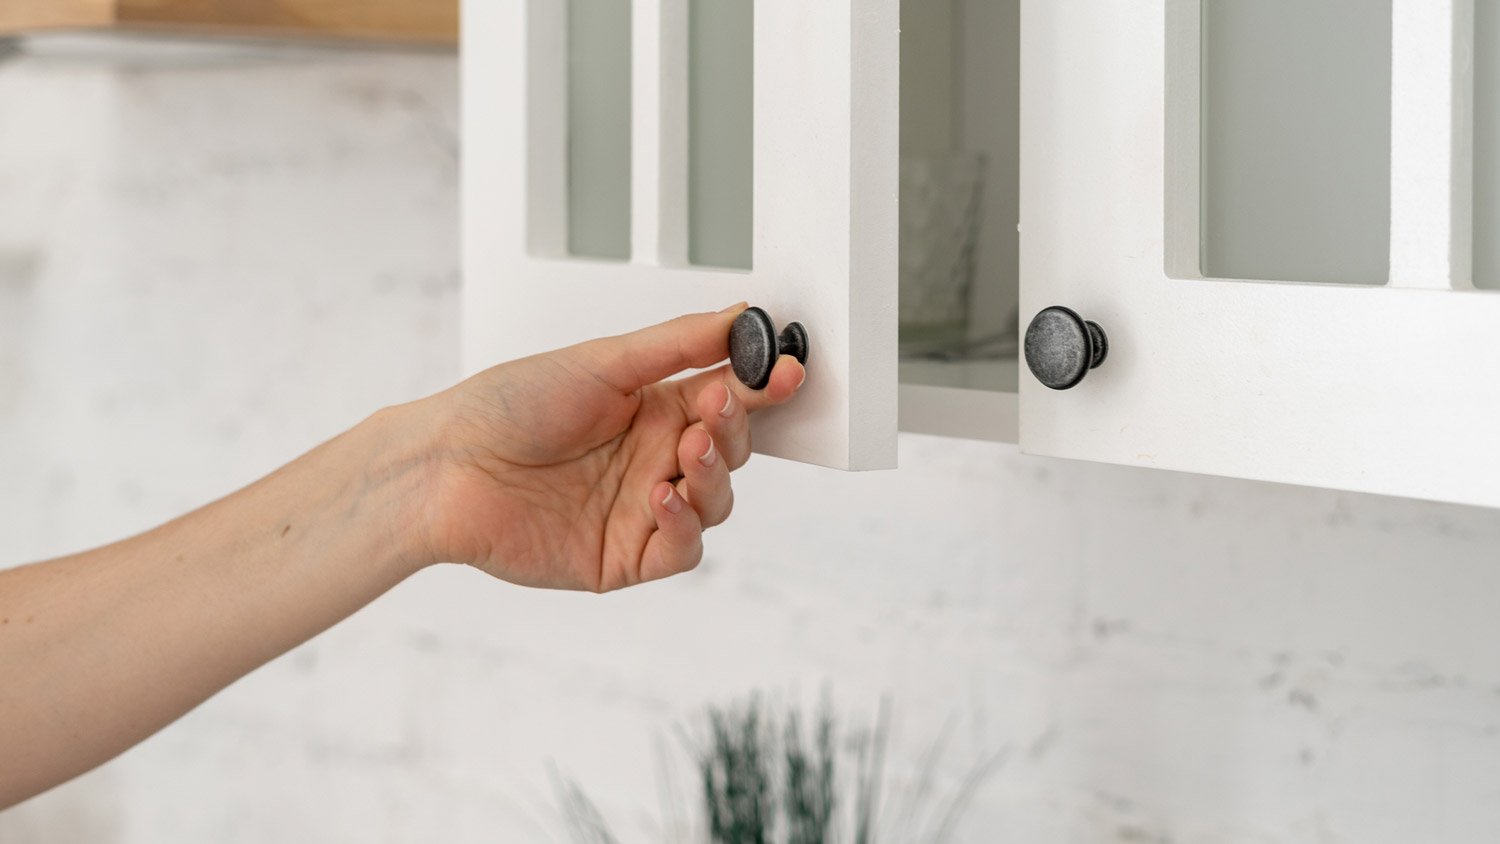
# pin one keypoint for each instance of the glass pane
(720, 128)
(1487, 144)
(1297, 140)
(960, 132)
(599, 128)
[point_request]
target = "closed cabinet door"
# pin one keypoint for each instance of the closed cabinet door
(582, 170)
(1278, 216)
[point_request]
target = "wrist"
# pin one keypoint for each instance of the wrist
(395, 486)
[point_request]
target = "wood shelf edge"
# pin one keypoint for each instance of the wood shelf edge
(428, 22)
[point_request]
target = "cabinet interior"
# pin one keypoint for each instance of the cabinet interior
(960, 98)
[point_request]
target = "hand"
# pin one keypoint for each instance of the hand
(583, 469)
(576, 469)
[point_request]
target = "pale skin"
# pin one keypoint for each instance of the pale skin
(577, 469)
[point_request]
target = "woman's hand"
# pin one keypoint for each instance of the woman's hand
(583, 469)
(573, 469)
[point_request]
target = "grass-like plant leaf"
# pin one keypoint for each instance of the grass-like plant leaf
(769, 778)
(736, 774)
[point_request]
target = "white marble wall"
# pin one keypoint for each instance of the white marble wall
(210, 259)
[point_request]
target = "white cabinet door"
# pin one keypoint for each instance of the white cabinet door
(1391, 389)
(824, 195)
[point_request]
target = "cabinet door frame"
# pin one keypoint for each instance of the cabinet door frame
(1388, 389)
(824, 194)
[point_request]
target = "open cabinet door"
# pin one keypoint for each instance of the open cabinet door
(824, 203)
(1390, 387)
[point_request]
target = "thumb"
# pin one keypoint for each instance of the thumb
(628, 362)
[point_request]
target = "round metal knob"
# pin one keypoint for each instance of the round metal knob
(1061, 347)
(754, 346)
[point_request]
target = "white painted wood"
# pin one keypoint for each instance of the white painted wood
(1376, 389)
(1432, 143)
(826, 78)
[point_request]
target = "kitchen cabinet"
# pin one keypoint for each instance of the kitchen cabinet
(823, 196)
(1385, 386)
(1274, 212)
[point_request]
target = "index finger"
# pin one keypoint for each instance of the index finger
(630, 361)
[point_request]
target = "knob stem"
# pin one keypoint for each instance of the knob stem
(1100, 342)
(793, 341)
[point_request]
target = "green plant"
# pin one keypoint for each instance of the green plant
(736, 777)
(585, 824)
(768, 776)
(808, 797)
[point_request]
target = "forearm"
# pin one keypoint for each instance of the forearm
(101, 649)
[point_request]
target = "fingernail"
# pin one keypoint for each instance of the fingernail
(673, 501)
(738, 306)
(708, 458)
(802, 379)
(728, 409)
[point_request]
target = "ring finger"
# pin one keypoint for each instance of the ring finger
(705, 476)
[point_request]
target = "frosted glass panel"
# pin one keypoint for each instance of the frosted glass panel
(1297, 140)
(720, 126)
(1487, 144)
(599, 128)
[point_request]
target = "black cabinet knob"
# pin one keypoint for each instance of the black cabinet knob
(1061, 347)
(754, 346)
